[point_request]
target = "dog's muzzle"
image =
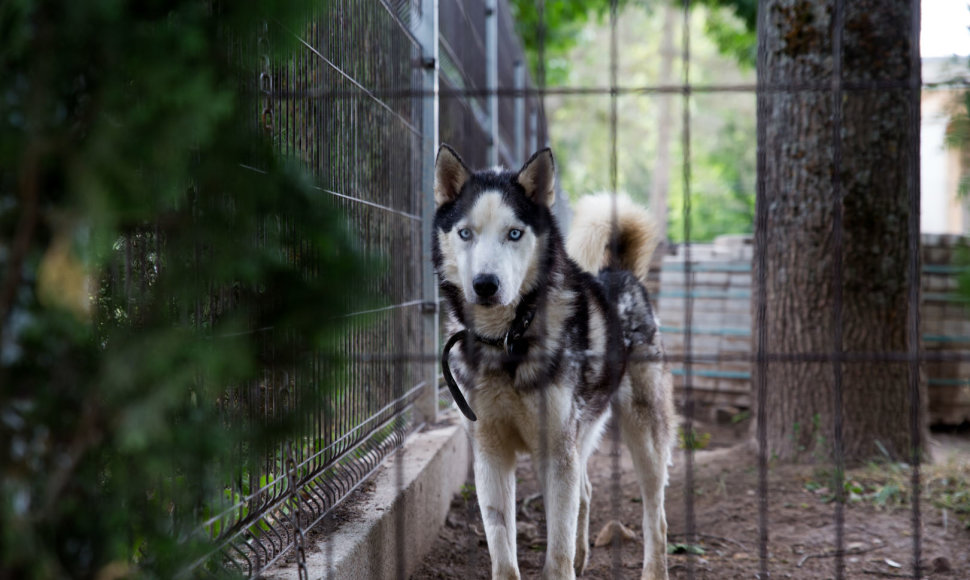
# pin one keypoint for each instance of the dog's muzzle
(485, 285)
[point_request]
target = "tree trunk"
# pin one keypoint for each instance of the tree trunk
(802, 244)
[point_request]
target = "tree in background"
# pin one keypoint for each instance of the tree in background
(138, 252)
(875, 180)
(800, 229)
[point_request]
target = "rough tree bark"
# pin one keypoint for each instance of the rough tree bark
(801, 242)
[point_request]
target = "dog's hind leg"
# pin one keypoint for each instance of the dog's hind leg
(582, 532)
(650, 458)
(495, 486)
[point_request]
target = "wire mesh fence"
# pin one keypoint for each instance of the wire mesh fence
(361, 151)
(321, 106)
(352, 107)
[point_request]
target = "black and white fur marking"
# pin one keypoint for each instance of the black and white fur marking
(590, 347)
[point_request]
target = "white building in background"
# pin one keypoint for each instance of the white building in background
(943, 210)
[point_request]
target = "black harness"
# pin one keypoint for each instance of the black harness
(515, 345)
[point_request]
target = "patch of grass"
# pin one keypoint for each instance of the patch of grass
(678, 548)
(467, 492)
(693, 440)
(888, 485)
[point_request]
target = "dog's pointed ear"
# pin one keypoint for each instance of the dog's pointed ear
(538, 177)
(450, 175)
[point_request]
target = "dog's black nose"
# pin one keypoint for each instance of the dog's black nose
(485, 285)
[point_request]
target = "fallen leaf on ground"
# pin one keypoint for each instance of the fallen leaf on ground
(613, 529)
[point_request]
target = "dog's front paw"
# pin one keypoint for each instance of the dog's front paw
(506, 573)
(559, 569)
(655, 569)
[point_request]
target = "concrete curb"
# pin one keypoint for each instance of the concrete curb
(399, 521)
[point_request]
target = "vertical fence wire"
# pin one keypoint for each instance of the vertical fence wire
(616, 553)
(688, 427)
(542, 471)
(761, 304)
(915, 354)
(837, 275)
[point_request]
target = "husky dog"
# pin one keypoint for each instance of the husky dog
(549, 349)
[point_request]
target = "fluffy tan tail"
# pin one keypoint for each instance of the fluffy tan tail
(592, 230)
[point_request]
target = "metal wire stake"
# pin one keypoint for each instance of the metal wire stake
(915, 260)
(615, 491)
(837, 282)
(689, 515)
(760, 306)
(296, 514)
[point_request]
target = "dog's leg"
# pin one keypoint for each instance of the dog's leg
(650, 463)
(582, 533)
(561, 482)
(495, 485)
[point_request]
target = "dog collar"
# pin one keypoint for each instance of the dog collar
(514, 344)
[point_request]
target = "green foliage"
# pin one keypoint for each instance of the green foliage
(557, 31)
(693, 439)
(957, 138)
(681, 548)
(137, 254)
(723, 174)
(562, 22)
(745, 10)
(734, 30)
(722, 152)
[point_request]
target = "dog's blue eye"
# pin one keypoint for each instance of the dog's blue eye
(465, 233)
(515, 234)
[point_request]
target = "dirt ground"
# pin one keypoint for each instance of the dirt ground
(878, 538)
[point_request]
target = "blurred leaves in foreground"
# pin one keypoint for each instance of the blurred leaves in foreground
(154, 253)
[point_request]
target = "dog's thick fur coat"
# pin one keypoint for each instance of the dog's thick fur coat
(551, 350)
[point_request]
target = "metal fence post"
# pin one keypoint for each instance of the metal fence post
(491, 78)
(520, 152)
(533, 131)
(427, 34)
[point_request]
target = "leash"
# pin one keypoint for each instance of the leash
(450, 380)
(513, 344)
